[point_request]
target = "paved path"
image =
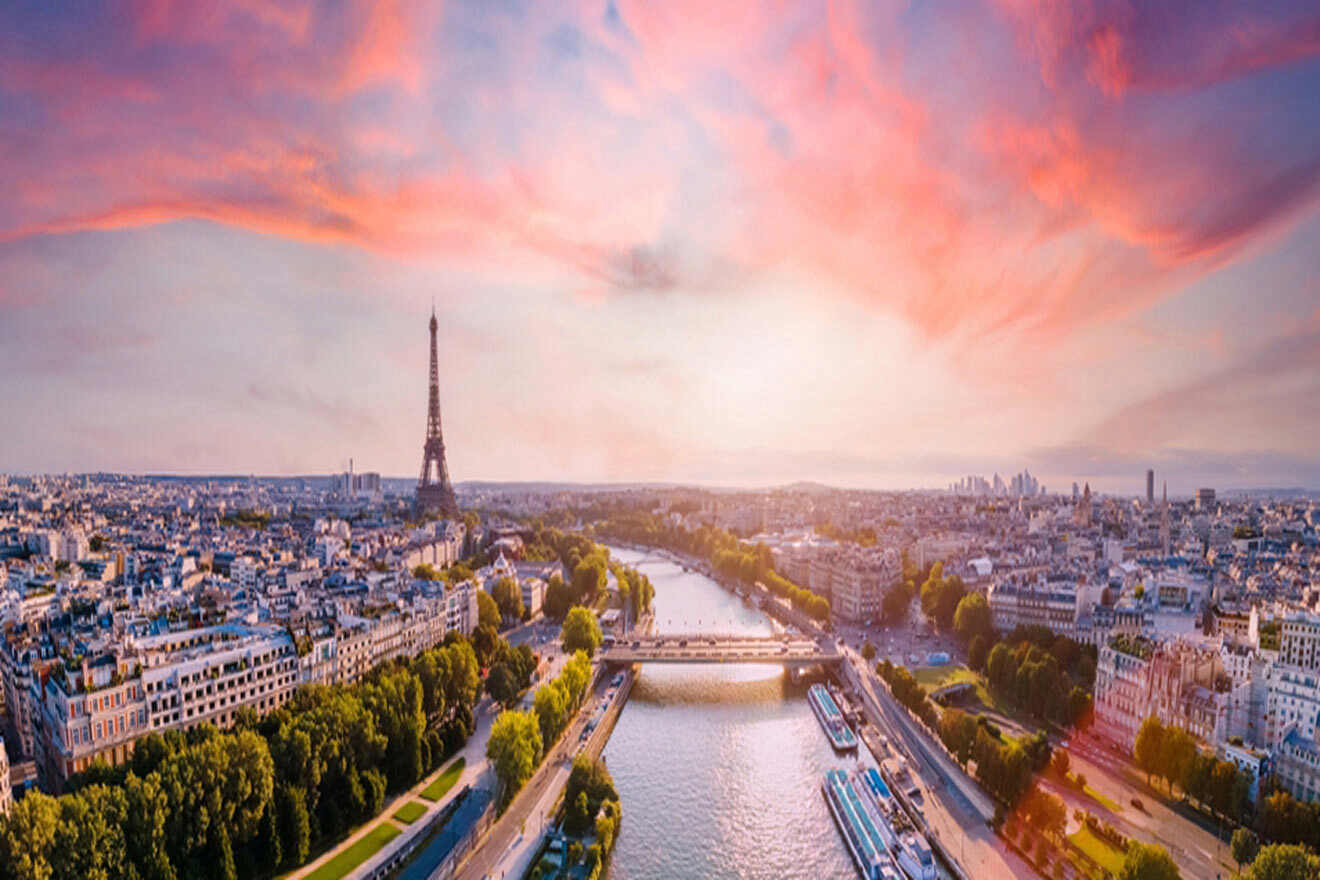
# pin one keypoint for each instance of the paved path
(1197, 851)
(513, 838)
(521, 854)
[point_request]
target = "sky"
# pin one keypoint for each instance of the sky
(869, 244)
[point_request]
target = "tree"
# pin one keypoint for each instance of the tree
(502, 685)
(1245, 845)
(1283, 861)
(294, 825)
(558, 598)
(1046, 811)
(27, 837)
(551, 707)
(958, 732)
(508, 596)
(1001, 668)
(578, 816)
(930, 590)
(896, 602)
(1059, 763)
(590, 777)
(514, 748)
(487, 642)
(868, 651)
(1079, 707)
(940, 596)
(977, 652)
(1176, 755)
(972, 618)
(488, 612)
(580, 632)
(590, 576)
(1149, 747)
(575, 676)
(1148, 862)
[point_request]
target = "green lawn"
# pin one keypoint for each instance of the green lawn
(359, 852)
(1105, 855)
(1105, 802)
(444, 781)
(935, 677)
(410, 812)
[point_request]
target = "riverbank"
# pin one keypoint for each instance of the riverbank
(952, 811)
(765, 601)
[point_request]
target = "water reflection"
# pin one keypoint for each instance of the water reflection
(719, 766)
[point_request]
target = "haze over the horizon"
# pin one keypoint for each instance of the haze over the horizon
(878, 245)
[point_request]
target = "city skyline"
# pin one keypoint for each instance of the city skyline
(868, 248)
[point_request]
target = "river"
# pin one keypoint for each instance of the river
(719, 767)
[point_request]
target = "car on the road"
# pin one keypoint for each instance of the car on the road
(682, 643)
(1136, 802)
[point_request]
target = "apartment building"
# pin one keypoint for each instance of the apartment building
(1060, 602)
(1297, 765)
(1181, 683)
(1299, 640)
(6, 793)
(1120, 688)
(855, 579)
(178, 679)
(20, 664)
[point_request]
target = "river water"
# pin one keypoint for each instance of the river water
(719, 767)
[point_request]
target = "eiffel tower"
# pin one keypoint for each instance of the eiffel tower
(435, 494)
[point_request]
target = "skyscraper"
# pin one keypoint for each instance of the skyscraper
(1150, 486)
(434, 492)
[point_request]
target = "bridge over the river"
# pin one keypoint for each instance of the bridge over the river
(708, 648)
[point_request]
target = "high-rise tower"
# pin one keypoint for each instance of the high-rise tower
(434, 492)
(1150, 487)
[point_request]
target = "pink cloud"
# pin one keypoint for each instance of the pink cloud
(973, 216)
(1121, 46)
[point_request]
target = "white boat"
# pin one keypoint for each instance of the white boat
(914, 856)
(860, 833)
(907, 846)
(831, 719)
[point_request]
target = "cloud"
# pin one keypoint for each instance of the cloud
(1012, 180)
(656, 156)
(306, 404)
(1264, 400)
(1184, 44)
